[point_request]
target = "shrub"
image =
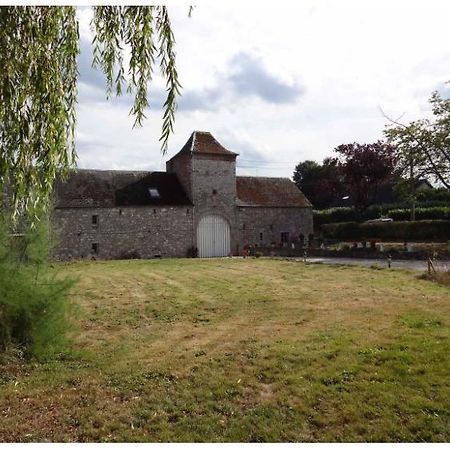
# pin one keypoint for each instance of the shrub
(348, 214)
(420, 230)
(129, 254)
(192, 252)
(34, 306)
(398, 211)
(436, 213)
(440, 277)
(430, 195)
(331, 215)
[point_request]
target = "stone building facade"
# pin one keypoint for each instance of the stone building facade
(197, 205)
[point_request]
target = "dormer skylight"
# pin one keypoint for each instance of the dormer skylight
(154, 193)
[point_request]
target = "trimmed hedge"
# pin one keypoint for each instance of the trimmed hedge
(433, 195)
(437, 213)
(343, 214)
(348, 214)
(332, 215)
(420, 230)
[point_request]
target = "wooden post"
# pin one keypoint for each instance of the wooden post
(430, 266)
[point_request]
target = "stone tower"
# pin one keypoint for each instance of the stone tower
(207, 172)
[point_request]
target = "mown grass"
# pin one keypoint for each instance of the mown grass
(240, 350)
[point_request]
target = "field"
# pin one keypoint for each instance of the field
(239, 350)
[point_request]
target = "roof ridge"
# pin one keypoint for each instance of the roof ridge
(118, 171)
(78, 169)
(265, 178)
(194, 137)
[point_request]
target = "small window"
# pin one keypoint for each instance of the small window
(154, 211)
(187, 212)
(271, 227)
(154, 193)
(214, 191)
(243, 226)
(95, 248)
(95, 220)
(284, 236)
(260, 236)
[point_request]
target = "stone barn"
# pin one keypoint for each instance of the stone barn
(197, 205)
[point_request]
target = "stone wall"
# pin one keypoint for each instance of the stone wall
(144, 232)
(263, 226)
(182, 166)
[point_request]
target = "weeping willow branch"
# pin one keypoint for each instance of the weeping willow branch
(38, 86)
(38, 91)
(146, 31)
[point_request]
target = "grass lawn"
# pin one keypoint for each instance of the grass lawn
(240, 350)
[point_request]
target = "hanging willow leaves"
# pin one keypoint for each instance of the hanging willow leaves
(38, 85)
(147, 32)
(38, 51)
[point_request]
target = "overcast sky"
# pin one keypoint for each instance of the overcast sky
(278, 84)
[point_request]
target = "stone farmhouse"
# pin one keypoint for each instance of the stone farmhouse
(197, 205)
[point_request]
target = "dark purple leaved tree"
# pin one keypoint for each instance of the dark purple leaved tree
(364, 167)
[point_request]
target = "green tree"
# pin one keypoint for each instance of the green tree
(38, 85)
(305, 176)
(320, 183)
(423, 146)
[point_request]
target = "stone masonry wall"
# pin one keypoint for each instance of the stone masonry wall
(214, 189)
(271, 222)
(145, 232)
(182, 166)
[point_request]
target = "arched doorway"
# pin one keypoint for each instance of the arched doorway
(213, 236)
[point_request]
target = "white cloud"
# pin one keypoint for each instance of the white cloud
(279, 84)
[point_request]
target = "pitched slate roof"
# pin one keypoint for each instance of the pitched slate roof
(269, 192)
(111, 188)
(204, 142)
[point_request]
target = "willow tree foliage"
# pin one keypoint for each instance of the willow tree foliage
(423, 146)
(38, 85)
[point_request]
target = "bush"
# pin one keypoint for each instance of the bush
(398, 211)
(348, 214)
(436, 213)
(440, 277)
(33, 301)
(192, 252)
(129, 254)
(433, 195)
(420, 230)
(332, 215)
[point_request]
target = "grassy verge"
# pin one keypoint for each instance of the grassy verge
(240, 350)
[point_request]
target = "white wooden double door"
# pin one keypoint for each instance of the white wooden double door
(213, 236)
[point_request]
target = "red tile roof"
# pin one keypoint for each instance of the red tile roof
(205, 143)
(269, 192)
